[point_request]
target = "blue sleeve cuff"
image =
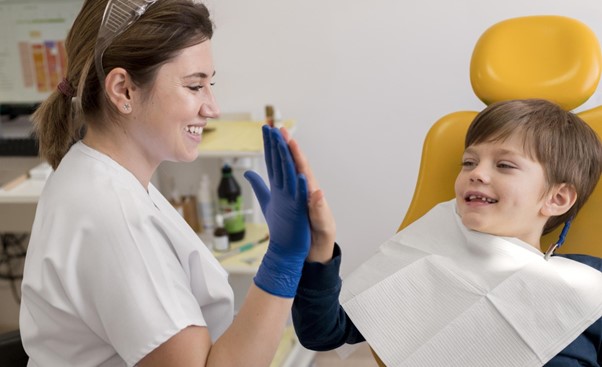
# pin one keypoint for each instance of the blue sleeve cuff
(317, 277)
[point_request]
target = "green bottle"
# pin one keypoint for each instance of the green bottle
(230, 201)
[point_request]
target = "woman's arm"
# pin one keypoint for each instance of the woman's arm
(251, 340)
(255, 333)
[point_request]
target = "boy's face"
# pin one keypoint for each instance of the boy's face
(501, 191)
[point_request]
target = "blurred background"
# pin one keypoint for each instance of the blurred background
(364, 81)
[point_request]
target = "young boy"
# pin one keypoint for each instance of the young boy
(528, 167)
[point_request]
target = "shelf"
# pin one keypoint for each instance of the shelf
(25, 191)
(246, 262)
(234, 139)
(19, 194)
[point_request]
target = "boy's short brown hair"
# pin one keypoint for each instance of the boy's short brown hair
(567, 148)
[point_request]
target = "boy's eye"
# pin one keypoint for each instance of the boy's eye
(505, 165)
(468, 163)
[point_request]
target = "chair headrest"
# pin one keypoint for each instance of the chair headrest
(545, 56)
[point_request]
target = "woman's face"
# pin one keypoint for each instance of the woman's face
(168, 124)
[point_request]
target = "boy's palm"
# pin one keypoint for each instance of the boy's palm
(323, 226)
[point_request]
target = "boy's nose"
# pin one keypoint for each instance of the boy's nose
(479, 174)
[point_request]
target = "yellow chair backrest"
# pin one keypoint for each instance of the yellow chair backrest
(551, 57)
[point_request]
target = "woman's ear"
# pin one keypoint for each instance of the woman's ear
(117, 86)
(559, 200)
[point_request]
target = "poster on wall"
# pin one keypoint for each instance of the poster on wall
(32, 47)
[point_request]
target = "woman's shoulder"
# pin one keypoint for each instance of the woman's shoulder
(85, 175)
(593, 261)
(90, 190)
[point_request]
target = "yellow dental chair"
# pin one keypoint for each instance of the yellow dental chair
(551, 57)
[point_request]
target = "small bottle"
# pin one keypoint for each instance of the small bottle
(230, 201)
(205, 205)
(220, 235)
(269, 115)
(189, 212)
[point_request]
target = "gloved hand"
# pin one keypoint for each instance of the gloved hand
(285, 209)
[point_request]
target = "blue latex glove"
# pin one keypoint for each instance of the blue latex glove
(285, 209)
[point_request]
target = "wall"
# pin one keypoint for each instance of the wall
(365, 81)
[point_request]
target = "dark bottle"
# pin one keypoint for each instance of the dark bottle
(231, 205)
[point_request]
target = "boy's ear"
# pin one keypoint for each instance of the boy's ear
(559, 200)
(117, 86)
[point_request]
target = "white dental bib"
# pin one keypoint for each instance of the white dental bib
(438, 294)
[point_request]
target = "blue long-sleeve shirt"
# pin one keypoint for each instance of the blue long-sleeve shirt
(321, 323)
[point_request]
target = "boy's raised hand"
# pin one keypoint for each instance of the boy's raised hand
(323, 226)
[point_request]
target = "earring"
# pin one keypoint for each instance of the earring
(126, 107)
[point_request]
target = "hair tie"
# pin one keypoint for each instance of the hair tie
(65, 88)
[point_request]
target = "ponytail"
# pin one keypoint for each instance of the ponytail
(55, 127)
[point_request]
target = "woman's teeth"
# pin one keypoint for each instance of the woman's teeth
(196, 130)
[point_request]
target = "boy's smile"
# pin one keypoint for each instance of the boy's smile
(478, 198)
(500, 190)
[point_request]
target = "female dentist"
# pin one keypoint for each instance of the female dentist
(114, 276)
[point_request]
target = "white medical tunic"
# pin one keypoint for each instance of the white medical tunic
(113, 271)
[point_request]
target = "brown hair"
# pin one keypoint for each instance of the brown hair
(166, 28)
(567, 148)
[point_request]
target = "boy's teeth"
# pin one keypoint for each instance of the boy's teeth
(483, 199)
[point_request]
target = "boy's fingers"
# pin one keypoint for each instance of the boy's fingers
(316, 197)
(303, 165)
(285, 134)
(319, 212)
(301, 161)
